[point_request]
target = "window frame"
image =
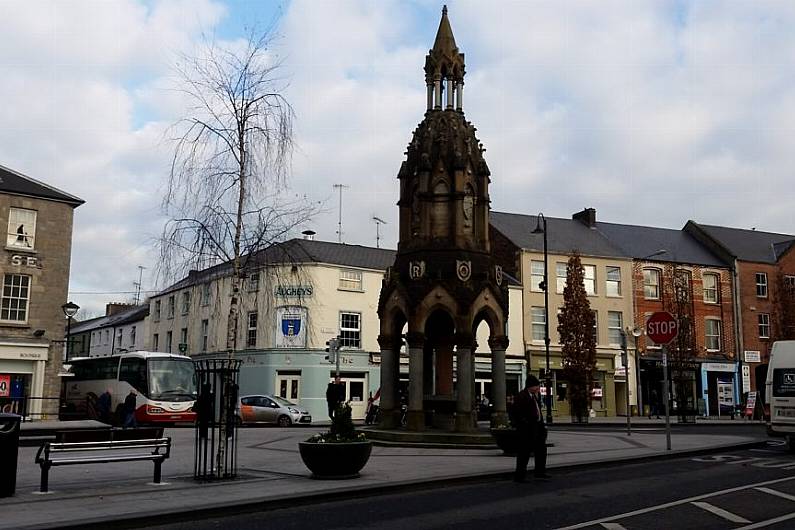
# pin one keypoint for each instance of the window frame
(356, 281)
(12, 234)
(608, 281)
(205, 294)
(656, 273)
(205, 333)
(559, 287)
(185, 306)
(715, 288)
(537, 311)
(171, 306)
(761, 286)
(535, 278)
(132, 336)
(613, 331)
(707, 335)
(763, 325)
(345, 342)
(251, 329)
(169, 340)
(157, 311)
(252, 282)
(5, 311)
(183, 337)
(586, 279)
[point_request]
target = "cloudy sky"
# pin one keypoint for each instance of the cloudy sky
(652, 112)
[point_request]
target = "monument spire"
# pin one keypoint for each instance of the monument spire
(444, 70)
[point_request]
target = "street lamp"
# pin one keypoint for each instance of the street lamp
(542, 229)
(636, 332)
(70, 309)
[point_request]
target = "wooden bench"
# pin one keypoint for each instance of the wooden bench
(103, 446)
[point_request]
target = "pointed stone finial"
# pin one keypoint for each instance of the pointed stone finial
(444, 9)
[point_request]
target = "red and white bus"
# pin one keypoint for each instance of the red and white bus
(165, 384)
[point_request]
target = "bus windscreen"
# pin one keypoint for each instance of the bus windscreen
(172, 380)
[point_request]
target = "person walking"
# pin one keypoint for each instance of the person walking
(654, 404)
(531, 431)
(129, 410)
(104, 405)
(335, 394)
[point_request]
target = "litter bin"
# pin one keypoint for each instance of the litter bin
(9, 448)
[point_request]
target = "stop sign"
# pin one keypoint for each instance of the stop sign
(662, 327)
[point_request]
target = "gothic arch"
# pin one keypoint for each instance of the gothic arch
(437, 298)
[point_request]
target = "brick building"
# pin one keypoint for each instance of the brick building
(35, 272)
(763, 273)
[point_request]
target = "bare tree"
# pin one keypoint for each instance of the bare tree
(227, 196)
(682, 351)
(576, 327)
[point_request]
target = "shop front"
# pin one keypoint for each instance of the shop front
(720, 389)
(22, 378)
(603, 402)
(684, 387)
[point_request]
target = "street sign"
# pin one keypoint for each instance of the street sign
(183, 347)
(662, 327)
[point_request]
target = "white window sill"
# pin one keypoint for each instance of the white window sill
(613, 296)
(350, 290)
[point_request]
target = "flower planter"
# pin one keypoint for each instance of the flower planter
(507, 440)
(335, 460)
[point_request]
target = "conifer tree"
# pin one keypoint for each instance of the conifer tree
(576, 329)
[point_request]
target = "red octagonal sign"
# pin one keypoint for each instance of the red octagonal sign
(661, 327)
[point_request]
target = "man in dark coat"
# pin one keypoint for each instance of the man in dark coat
(104, 404)
(335, 394)
(129, 410)
(531, 431)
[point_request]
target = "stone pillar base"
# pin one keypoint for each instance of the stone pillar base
(415, 420)
(464, 422)
(390, 419)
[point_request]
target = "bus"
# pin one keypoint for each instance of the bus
(165, 384)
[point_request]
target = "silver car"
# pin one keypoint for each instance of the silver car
(270, 409)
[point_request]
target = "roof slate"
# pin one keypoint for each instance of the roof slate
(16, 183)
(750, 245)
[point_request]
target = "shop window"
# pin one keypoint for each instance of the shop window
(16, 295)
(21, 228)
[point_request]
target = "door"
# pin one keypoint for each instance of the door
(355, 394)
(288, 387)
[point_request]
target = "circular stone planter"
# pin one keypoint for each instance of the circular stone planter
(507, 440)
(335, 460)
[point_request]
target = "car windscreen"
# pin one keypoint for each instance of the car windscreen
(283, 402)
(784, 382)
(172, 379)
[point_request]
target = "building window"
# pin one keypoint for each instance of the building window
(613, 283)
(712, 330)
(615, 323)
(683, 285)
(560, 273)
(185, 302)
(107, 337)
(350, 280)
(538, 320)
(119, 339)
(251, 331)
(206, 293)
(764, 325)
(351, 330)
(183, 337)
(253, 282)
(157, 310)
(590, 279)
(205, 330)
(761, 284)
(651, 284)
(789, 283)
(155, 342)
(16, 295)
(536, 275)
(711, 283)
(170, 313)
(132, 337)
(595, 326)
(168, 341)
(21, 228)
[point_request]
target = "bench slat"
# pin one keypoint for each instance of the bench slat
(104, 460)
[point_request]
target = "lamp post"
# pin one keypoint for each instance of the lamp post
(625, 361)
(70, 309)
(542, 229)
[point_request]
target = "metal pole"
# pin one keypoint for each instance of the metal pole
(69, 337)
(546, 325)
(666, 394)
(626, 376)
(337, 355)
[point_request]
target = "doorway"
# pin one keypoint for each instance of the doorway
(288, 385)
(355, 385)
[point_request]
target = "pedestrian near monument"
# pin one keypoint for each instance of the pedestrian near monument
(129, 410)
(531, 431)
(335, 394)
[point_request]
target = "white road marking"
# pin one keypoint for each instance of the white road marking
(613, 526)
(762, 524)
(720, 512)
(678, 503)
(777, 493)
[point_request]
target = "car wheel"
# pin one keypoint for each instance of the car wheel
(285, 421)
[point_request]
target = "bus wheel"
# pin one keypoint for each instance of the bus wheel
(791, 444)
(285, 421)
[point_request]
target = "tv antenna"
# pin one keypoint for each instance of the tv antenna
(137, 284)
(339, 223)
(378, 223)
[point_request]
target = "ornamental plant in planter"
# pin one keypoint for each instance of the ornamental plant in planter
(339, 453)
(507, 438)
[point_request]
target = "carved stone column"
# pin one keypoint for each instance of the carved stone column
(390, 375)
(464, 414)
(498, 346)
(416, 415)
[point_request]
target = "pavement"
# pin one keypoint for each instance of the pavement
(271, 474)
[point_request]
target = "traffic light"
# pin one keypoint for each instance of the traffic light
(332, 348)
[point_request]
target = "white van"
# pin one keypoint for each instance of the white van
(780, 391)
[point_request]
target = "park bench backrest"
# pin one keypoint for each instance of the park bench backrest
(106, 435)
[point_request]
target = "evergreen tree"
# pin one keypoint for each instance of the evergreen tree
(576, 329)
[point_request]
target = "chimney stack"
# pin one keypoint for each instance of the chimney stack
(116, 307)
(309, 235)
(586, 217)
